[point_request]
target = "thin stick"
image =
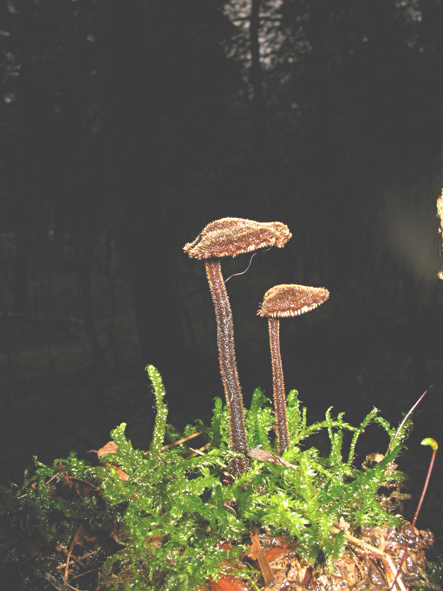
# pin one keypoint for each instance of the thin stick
(59, 586)
(199, 452)
(406, 418)
(374, 550)
(74, 542)
(182, 440)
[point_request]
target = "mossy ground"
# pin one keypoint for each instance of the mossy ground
(174, 517)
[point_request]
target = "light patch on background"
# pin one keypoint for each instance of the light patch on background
(414, 241)
(440, 230)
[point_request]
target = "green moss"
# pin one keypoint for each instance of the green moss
(170, 519)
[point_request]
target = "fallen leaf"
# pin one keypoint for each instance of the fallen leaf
(84, 488)
(108, 449)
(121, 475)
(262, 455)
(276, 552)
(78, 537)
(266, 570)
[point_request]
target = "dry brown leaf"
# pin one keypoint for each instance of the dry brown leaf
(121, 475)
(266, 570)
(108, 449)
(276, 552)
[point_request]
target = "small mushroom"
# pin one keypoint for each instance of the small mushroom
(279, 302)
(222, 238)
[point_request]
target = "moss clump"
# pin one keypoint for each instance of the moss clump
(172, 519)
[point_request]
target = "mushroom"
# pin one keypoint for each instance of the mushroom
(231, 237)
(279, 302)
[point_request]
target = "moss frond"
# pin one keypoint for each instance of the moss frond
(169, 519)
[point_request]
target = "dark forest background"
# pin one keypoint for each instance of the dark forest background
(126, 127)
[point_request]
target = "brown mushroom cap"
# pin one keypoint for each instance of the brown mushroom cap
(291, 300)
(234, 236)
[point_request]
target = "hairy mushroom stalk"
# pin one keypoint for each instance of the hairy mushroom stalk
(278, 385)
(279, 302)
(231, 237)
(228, 363)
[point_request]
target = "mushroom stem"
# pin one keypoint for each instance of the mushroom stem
(226, 354)
(282, 301)
(279, 385)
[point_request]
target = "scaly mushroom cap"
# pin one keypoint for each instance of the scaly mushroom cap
(291, 300)
(229, 237)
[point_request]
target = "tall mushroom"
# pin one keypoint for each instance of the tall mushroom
(279, 302)
(222, 238)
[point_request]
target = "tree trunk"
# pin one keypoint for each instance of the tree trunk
(25, 169)
(84, 249)
(262, 152)
(22, 238)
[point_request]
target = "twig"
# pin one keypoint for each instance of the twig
(369, 548)
(56, 584)
(199, 452)
(75, 541)
(66, 552)
(180, 441)
(406, 418)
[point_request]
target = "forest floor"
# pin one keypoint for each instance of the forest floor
(52, 403)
